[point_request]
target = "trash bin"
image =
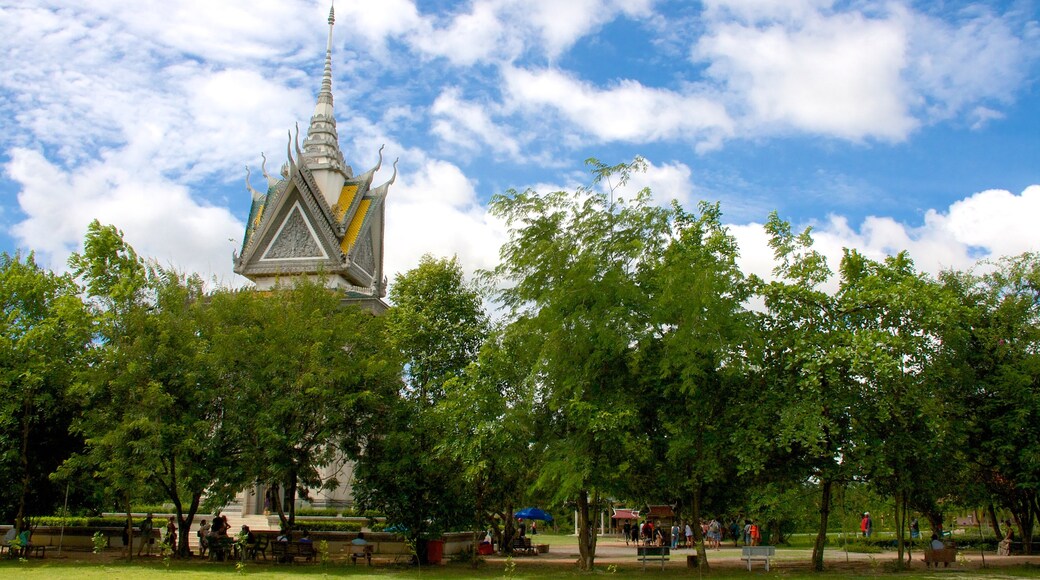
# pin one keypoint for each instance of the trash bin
(691, 561)
(434, 551)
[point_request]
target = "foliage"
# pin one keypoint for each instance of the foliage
(309, 374)
(569, 277)
(44, 334)
(436, 325)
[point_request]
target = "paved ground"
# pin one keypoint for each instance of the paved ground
(610, 551)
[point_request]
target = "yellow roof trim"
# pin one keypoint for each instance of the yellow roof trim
(346, 197)
(355, 226)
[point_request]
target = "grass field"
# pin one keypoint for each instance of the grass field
(202, 571)
(791, 563)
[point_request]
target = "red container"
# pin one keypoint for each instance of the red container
(434, 551)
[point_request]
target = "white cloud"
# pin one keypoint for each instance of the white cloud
(667, 182)
(628, 111)
(489, 31)
(469, 125)
(434, 210)
(955, 65)
(864, 71)
(985, 225)
(764, 10)
(160, 219)
(837, 75)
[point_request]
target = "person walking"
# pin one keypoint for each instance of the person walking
(146, 535)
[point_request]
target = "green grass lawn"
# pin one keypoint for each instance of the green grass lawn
(203, 571)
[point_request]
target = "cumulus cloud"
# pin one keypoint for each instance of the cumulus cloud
(837, 75)
(159, 219)
(865, 71)
(489, 31)
(469, 125)
(435, 210)
(667, 182)
(629, 111)
(986, 225)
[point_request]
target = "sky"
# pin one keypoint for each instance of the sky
(884, 125)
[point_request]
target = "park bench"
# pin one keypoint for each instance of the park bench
(653, 554)
(757, 553)
(288, 552)
(361, 551)
(945, 556)
(522, 546)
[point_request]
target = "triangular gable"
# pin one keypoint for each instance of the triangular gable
(293, 236)
(295, 239)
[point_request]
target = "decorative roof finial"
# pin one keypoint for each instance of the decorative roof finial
(322, 143)
(325, 96)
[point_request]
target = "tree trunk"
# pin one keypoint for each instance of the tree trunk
(505, 542)
(23, 463)
(900, 524)
(698, 533)
(586, 535)
(478, 534)
(821, 535)
(130, 530)
(292, 499)
(991, 511)
(184, 525)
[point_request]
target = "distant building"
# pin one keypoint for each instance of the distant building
(319, 221)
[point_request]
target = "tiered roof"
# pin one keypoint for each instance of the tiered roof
(318, 219)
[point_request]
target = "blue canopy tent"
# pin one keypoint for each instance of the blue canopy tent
(533, 513)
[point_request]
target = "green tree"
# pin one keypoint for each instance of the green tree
(703, 329)
(44, 333)
(311, 374)
(436, 326)
(569, 275)
(486, 429)
(807, 365)
(896, 341)
(997, 383)
(157, 421)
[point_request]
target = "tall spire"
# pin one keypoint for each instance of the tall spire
(321, 147)
(325, 96)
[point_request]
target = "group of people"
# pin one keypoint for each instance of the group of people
(522, 527)
(213, 534)
(146, 530)
(713, 531)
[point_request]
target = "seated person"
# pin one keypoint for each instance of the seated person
(283, 536)
(357, 551)
(937, 544)
(305, 538)
(11, 540)
(1004, 547)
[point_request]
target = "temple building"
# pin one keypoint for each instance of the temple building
(316, 220)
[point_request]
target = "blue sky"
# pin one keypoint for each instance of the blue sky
(885, 125)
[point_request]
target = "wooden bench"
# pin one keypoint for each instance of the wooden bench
(946, 556)
(288, 552)
(523, 547)
(653, 554)
(757, 553)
